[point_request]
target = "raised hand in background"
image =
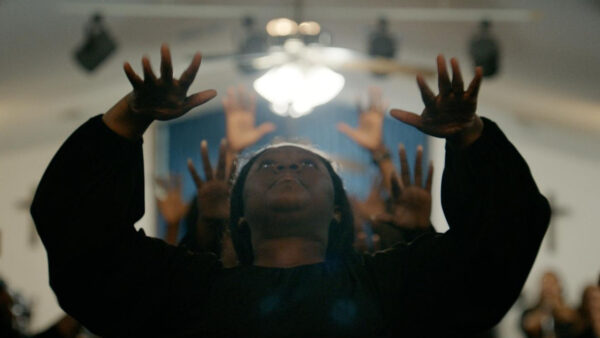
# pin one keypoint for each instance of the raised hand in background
(451, 113)
(240, 120)
(213, 205)
(411, 199)
(171, 205)
(369, 132)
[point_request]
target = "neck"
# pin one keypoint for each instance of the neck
(288, 252)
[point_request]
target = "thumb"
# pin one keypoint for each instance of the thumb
(407, 117)
(347, 130)
(265, 128)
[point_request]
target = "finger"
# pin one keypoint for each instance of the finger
(426, 94)
(166, 65)
(419, 166)
(176, 182)
(473, 89)
(409, 118)
(162, 182)
(221, 164)
(347, 130)
(226, 105)
(208, 171)
(443, 78)
(195, 177)
(404, 168)
(149, 76)
(188, 76)
(265, 128)
(429, 177)
(457, 81)
(133, 78)
(232, 98)
(243, 97)
(375, 98)
(199, 98)
(396, 187)
(252, 103)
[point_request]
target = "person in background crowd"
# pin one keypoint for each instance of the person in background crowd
(551, 316)
(66, 327)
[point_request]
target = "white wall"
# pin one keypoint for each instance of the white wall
(22, 261)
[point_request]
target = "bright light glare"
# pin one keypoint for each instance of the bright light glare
(294, 90)
(282, 27)
(309, 28)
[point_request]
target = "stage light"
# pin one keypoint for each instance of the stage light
(381, 42)
(485, 50)
(97, 47)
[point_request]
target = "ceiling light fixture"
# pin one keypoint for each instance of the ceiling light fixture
(282, 27)
(295, 89)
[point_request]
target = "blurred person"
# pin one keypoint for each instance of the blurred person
(66, 327)
(292, 229)
(590, 312)
(550, 317)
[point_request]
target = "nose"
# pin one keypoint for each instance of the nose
(291, 166)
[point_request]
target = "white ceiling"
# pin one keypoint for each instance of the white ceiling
(550, 67)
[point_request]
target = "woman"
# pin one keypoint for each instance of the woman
(297, 273)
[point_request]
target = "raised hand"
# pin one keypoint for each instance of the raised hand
(171, 205)
(451, 113)
(240, 120)
(164, 98)
(411, 201)
(369, 133)
(213, 191)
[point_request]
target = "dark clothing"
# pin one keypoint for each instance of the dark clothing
(119, 282)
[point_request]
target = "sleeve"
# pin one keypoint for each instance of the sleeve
(111, 278)
(466, 279)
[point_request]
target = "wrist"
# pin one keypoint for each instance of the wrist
(380, 154)
(122, 120)
(467, 136)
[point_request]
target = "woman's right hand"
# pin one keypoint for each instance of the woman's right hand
(153, 98)
(164, 98)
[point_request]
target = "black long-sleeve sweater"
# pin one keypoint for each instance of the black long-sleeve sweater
(118, 282)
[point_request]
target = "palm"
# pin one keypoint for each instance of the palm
(240, 120)
(412, 209)
(164, 98)
(452, 111)
(213, 191)
(369, 132)
(171, 206)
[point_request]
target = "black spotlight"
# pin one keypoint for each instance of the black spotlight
(253, 42)
(485, 51)
(381, 42)
(97, 47)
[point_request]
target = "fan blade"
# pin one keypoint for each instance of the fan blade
(383, 66)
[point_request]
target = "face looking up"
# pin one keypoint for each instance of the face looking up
(289, 193)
